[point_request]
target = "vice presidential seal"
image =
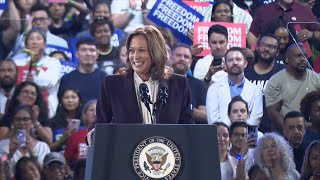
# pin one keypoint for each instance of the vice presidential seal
(157, 158)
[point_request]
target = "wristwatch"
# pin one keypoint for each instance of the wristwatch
(207, 79)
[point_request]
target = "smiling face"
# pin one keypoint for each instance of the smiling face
(22, 120)
(70, 100)
(223, 138)
(30, 171)
(270, 152)
(27, 95)
(103, 34)
(139, 57)
(267, 49)
(87, 55)
(283, 35)
(181, 60)
(238, 137)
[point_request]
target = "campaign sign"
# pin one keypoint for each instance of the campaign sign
(236, 35)
(3, 4)
(198, 6)
(67, 67)
(175, 15)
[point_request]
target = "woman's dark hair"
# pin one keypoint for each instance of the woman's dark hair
(14, 102)
(307, 101)
(306, 169)
(273, 25)
(61, 52)
(59, 120)
(21, 164)
(100, 22)
(216, 4)
(237, 99)
(223, 125)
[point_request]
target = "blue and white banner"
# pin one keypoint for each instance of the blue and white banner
(67, 67)
(175, 15)
(3, 4)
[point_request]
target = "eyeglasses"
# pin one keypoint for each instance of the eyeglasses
(27, 92)
(39, 19)
(22, 119)
(269, 46)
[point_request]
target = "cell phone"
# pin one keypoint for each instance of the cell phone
(21, 137)
(252, 133)
(74, 124)
(217, 61)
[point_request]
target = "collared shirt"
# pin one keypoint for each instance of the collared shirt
(297, 12)
(235, 90)
(153, 92)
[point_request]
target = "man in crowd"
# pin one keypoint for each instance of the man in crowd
(8, 81)
(205, 68)
(181, 59)
(86, 78)
(264, 67)
(220, 93)
(286, 88)
(294, 131)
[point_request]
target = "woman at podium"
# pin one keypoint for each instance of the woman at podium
(146, 92)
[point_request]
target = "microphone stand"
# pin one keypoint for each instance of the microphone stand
(295, 41)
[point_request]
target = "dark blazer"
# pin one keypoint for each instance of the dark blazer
(117, 101)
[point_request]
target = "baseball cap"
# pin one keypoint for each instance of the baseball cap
(54, 157)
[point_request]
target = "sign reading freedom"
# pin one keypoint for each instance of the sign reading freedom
(175, 15)
(236, 35)
(3, 4)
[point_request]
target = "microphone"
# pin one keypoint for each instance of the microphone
(295, 41)
(144, 95)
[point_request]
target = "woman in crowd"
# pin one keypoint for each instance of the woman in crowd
(102, 29)
(21, 142)
(76, 147)
(43, 70)
(28, 168)
(222, 11)
(275, 153)
(69, 109)
(311, 163)
(278, 27)
(231, 167)
(28, 93)
(119, 99)
(310, 108)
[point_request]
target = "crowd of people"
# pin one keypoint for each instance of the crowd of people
(68, 65)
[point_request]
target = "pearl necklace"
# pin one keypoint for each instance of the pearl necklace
(105, 53)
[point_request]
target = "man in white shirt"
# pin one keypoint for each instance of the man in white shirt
(234, 84)
(205, 69)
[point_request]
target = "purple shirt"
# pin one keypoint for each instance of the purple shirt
(266, 13)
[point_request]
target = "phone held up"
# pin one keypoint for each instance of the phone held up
(217, 61)
(21, 137)
(74, 124)
(252, 133)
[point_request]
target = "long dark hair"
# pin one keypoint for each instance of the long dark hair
(60, 118)
(21, 165)
(14, 102)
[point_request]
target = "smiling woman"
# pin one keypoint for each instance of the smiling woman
(119, 99)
